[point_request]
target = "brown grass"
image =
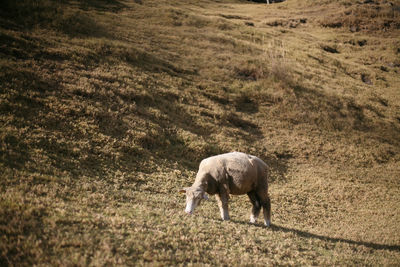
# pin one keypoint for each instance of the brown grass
(107, 108)
(371, 16)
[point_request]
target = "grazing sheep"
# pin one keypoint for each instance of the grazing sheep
(233, 173)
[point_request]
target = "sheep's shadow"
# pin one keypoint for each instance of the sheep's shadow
(280, 228)
(305, 234)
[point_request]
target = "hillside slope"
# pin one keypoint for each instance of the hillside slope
(107, 108)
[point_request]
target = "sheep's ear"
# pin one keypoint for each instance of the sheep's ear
(182, 191)
(205, 196)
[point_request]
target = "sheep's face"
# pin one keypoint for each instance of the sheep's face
(193, 198)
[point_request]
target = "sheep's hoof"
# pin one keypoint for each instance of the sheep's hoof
(267, 224)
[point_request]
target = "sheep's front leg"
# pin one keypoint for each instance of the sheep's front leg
(222, 199)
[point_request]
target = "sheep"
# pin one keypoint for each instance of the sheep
(233, 173)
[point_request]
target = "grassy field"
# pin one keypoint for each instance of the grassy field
(107, 108)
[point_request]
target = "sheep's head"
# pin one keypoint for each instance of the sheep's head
(193, 198)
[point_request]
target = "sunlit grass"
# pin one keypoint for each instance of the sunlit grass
(107, 108)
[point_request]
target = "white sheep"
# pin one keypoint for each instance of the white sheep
(233, 173)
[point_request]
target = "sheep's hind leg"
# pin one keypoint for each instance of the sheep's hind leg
(267, 211)
(255, 211)
(266, 205)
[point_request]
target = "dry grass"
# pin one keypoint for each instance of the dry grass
(371, 16)
(107, 107)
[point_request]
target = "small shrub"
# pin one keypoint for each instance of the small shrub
(278, 64)
(273, 64)
(251, 71)
(197, 21)
(77, 23)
